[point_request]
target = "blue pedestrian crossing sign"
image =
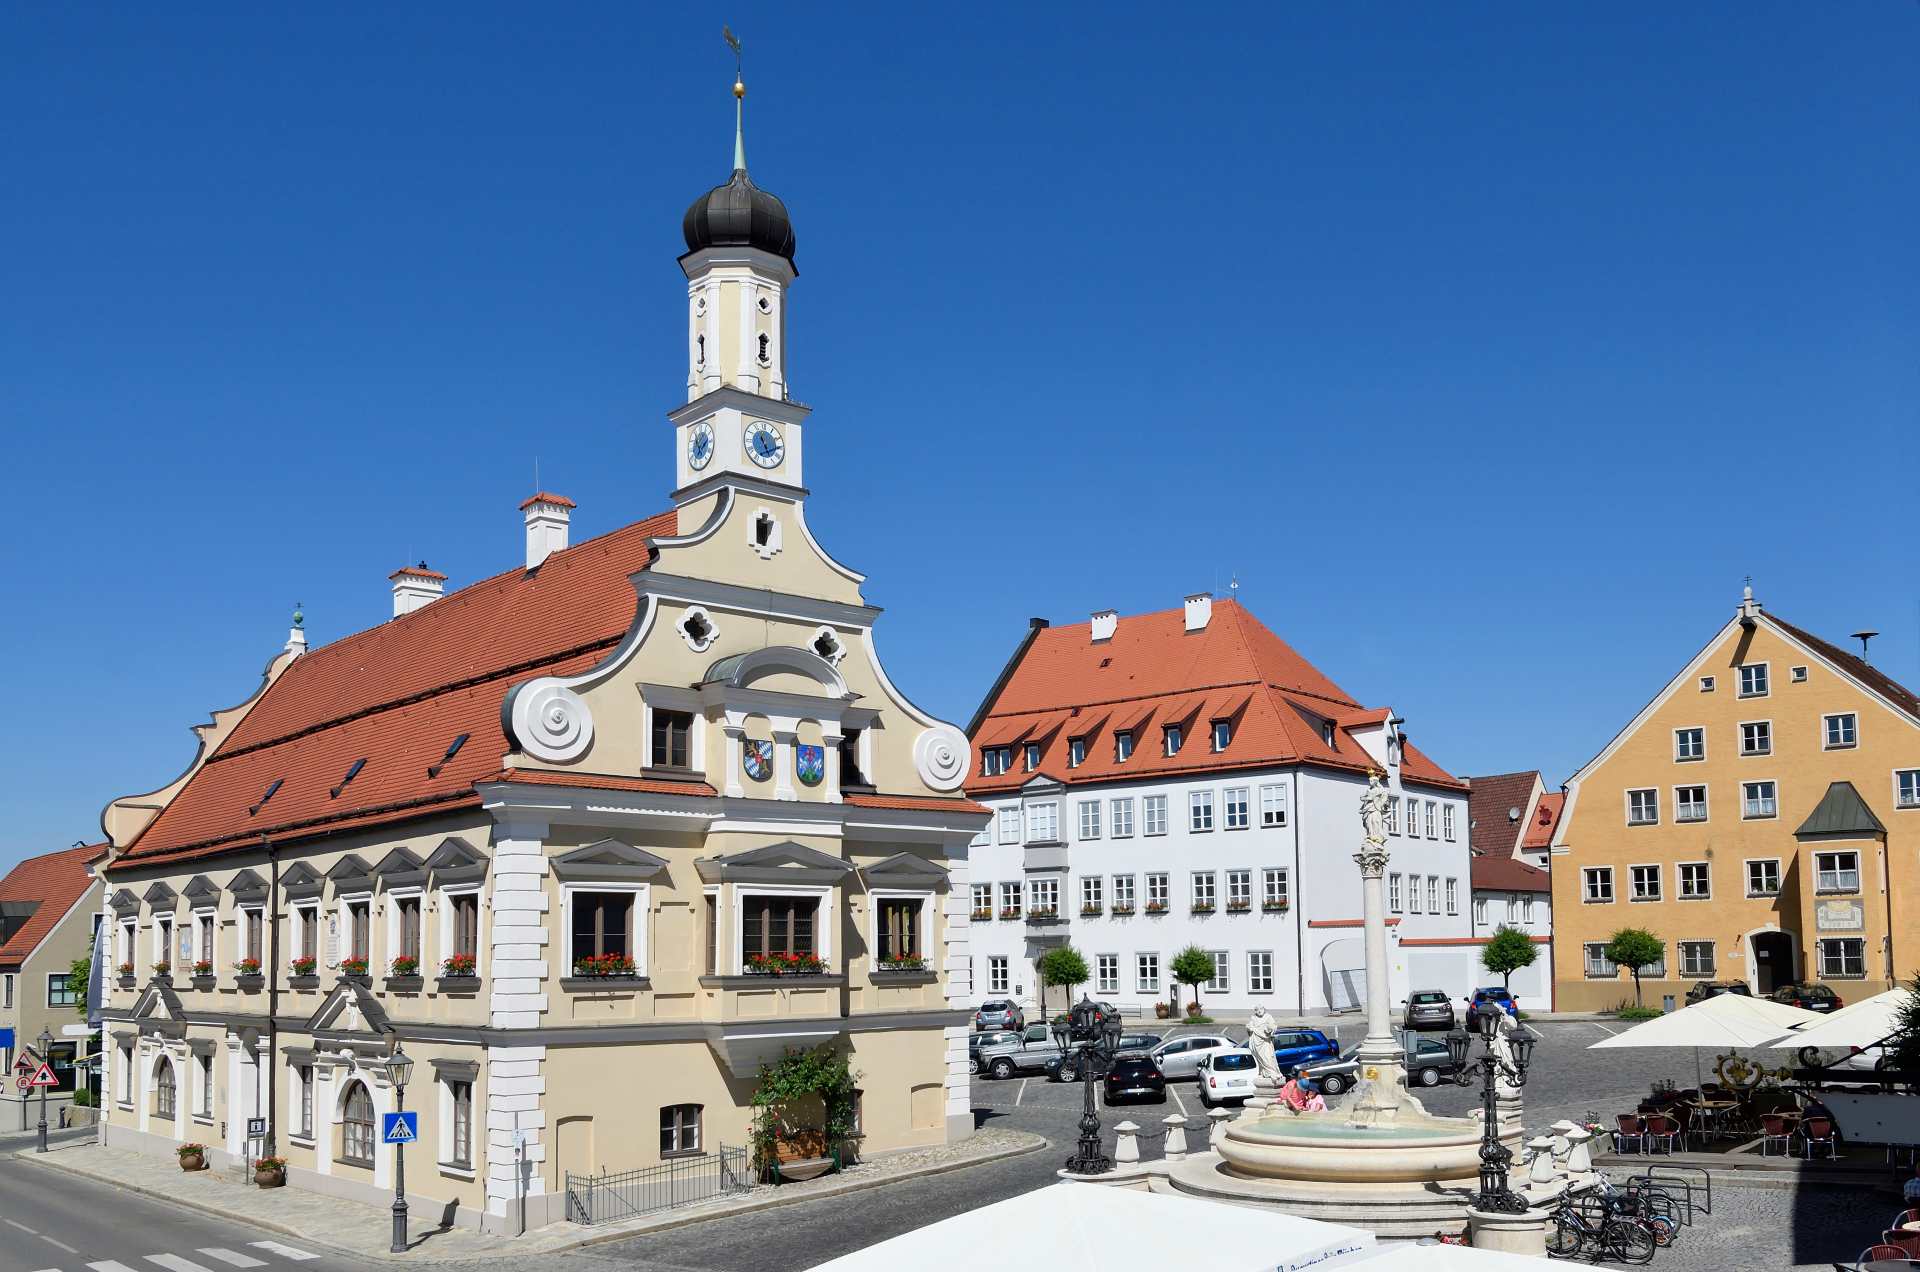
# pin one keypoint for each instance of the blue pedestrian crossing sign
(399, 1128)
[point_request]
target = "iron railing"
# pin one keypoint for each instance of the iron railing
(678, 1181)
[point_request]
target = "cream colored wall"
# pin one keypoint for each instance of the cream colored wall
(1596, 833)
(70, 939)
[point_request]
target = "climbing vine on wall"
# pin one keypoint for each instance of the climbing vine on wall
(785, 1092)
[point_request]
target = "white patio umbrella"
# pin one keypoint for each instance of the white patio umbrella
(1727, 1021)
(1070, 1226)
(1859, 1024)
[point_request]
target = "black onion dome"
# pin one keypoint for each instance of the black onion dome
(739, 214)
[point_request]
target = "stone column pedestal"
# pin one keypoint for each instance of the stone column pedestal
(1524, 1233)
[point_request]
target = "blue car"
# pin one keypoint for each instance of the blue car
(1494, 996)
(1295, 1047)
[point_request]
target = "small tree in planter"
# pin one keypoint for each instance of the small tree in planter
(1062, 965)
(1633, 949)
(270, 1172)
(192, 1156)
(1192, 966)
(1507, 951)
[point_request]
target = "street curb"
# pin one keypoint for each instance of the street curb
(852, 1186)
(593, 1239)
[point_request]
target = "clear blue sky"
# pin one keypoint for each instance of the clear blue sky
(1490, 345)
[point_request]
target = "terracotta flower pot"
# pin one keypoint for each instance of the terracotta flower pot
(270, 1178)
(193, 1161)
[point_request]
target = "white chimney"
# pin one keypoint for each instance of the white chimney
(414, 586)
(1104, 624)
(1199, 611)
(547, 517)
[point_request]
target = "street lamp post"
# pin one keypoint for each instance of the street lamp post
(46, 1053)
(399, 1069)
(1100, 1032)
(1495, 1195)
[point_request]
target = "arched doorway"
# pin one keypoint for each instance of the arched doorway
(1774, 963)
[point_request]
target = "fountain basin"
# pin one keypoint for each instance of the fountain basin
(1323, 1148)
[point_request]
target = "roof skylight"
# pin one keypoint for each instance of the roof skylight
(353, 771)
(453, 749)
(271, 788)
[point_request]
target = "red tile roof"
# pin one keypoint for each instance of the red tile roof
(1860, 669)
(547, 497)
(1488, 803)
(56, 880)
(1539, 836)
(913, 803)
(1508, 874)
(419, 571)
(1153, 673)
(397, 695)
(603, 782)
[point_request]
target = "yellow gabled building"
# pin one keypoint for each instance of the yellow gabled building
(1761, 816)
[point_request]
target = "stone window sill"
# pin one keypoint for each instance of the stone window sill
(354, 1162)
(806, 981)
(250, 984)
(404, 984)
(205, 1119)
(890, 976)
(297, 1142)
(604, 984)
(303, 982)
(457, 984)
(458, 1171)
(203, 982)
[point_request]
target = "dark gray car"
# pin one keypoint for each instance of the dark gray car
(1427, 1061)
(1427, 1009)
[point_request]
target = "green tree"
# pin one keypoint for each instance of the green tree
(1633, 949)
(79, 973)
(1192, 966)
(1902, 1051)
(1062, 965)
(1508, 950)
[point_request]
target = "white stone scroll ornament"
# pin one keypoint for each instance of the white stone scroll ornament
(551, 722)
(940, 754)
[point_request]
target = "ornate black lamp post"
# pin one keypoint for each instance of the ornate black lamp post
(1100, 1032)
(46, 1057)
(399, 1069)
(1495, 1158)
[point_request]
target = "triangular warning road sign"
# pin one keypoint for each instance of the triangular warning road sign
(43, 1076)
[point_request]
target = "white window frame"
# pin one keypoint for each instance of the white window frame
(1240, 890)
(1693, 967)
(1276, 885)
(1453, 896)
(1526, 907)
(242, 914)
(1480, 911)
(1652, 792)
(1829, 946)
(1076, 752)
(1123, 746)
(1106, 973)
(1747, 753)
(1203, 890)
(1680, 869)
(1393, 893)
(1680, 806)
(1120, 820)
(129, 951)
(394, 896)
(1013, 900)
(1030, 753)
(1837, 872)
(203, 1083)
(1765, 679)
(1043, 822)
(1220, 734)
(1706, 684)
(1222, 981)
(1635, 892)
(1259, 971)
(1699, 733)
(1393, 814)
(1043, 894)
(1093, 889)
(1413, 894)
(1146, 973)
(1153, 814)
(1200, 812)
(637, 920)
(209, 915)
(1160, 881)
(1775, 862)
(1433, 894)
(1591, 875)
(1009, 821)
(1123, 899)
(1826, 731)
(447, 1161)
(1432, 806)
(1906, 789)
(999, 980)
(1747, 799)
(1240, 798)
(1089, 819)
(1596, 964)
(977, 893)
(1446, 822)
(1273, 805)
(443, 934)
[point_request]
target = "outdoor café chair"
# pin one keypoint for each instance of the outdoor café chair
(1662, 1129)
(1908, 1243)
(1629, 1128)
(1881, 1255)
(1775, 1129)
(1818, 1132)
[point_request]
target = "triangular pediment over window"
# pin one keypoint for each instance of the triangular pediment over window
(350, 874)
(349, 1012)
(608, 859)
(401, 869)
(787, 862)
(904, 870)
(1042, 784)
(455, 862)
(201, 891)
(300, 882)
(158, 1011)
(247, 888)
(124, 902)
(160, 897)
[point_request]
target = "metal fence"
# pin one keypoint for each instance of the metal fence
(680, 1181)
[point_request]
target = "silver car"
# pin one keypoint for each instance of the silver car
(1180, 1057)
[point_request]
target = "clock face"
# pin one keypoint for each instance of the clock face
(765, 444)
(700, 445)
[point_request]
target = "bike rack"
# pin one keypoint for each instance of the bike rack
(1695, 1183)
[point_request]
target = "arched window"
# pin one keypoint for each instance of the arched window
(164, 1091)
(356, 1126)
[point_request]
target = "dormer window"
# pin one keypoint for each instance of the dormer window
(1172, 737)
(1032, 756)
(1222, 734)
(1076, 752)
(1123, 744)
(1326, 732)
(995, 760)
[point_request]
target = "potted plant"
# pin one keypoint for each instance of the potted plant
(459, 966)
(192, 1156)
(1009, 911)
(905, 963)
(270, 1172)
(202, 967)
(1156, 907)
(404, 966)
(126, 968)
(247, 967)
(983, 913)
(1202, 907)
(603, 966)
(1274, 907)
(305, 965)
(163, 969)
(779, 964)
(1159, 1010)
(1089, 908)
(353, 967)
(1123, 907)
(1239, 907)
(1043, 912)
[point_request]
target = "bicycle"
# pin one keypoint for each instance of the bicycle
(1647, 1204)
(1612, 1236)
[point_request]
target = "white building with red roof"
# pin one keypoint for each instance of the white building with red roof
(1184, 778)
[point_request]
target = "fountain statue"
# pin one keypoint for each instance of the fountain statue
(1260, 1041)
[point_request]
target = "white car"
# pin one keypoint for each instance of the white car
(1227, 1075)
(1180, 1057)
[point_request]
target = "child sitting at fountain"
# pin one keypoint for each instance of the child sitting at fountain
(1315, 1102)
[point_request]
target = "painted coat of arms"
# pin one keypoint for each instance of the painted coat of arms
(811, 761)
(757, 757)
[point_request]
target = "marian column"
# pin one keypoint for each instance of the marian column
(1382, 1086)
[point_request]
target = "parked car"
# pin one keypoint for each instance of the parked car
(1128, 1042)
(1135, 1077)
(1427, 1008)
(991, 1038)
(1226, 1076)
(1703, 990)
(1180, 1057)
(1427, 1061)
(1032, 1051)
(1811, 997)
(1300, 1045)
(999, 1013)
(1494, 996)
